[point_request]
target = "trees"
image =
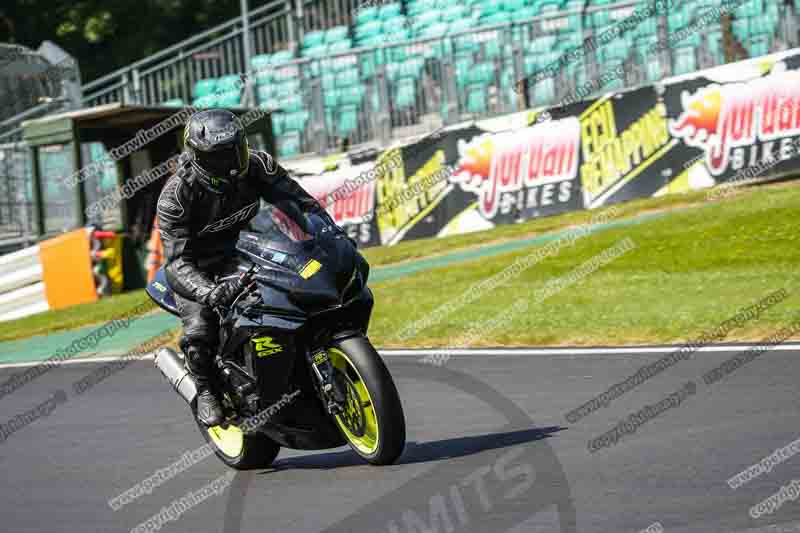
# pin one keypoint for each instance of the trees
(104, 35)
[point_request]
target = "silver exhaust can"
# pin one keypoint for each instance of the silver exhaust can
(171, 365)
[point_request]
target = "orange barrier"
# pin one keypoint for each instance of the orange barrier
(67, 270)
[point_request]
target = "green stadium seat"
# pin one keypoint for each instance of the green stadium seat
(282, 56)
(415, 9)
(396, 54)
(406, 94)
(741, 29)
(335, 34)
(229, 82)
(544, 92)
(466, 43)
(204, 87)
(759, 46)
(339, 46)
(427, 18)
(482, 73)
(494, 50)
(368, 65)
(614, 83)
(397, 34)
(456, 13)
(530, 65)
(315, 51)
(411, 69)
(500, 17)
(174, 102)
(295, 121)
(599, 19)
(647, 28)
(439, 49)
(542, 45)
(278, 120)
(653, 70)
(330, 98)
(438, 29)
(750, 9)
(205, 102)
(490, 7)
(677, 19)
(714, 41)
(548, 6)
(292, 103)
(476, 100)
(773, 14)
(352, 95)
(513, 6)
(328, 81)
(260, 61)
(265, 92)
(761, 26)
(389, 11)
(348, 78)
(228, 99)
(618, 49)
(289, 145)
(313, 39)
(369, 29)
(366, 14)
(348, 120)
(684, 61)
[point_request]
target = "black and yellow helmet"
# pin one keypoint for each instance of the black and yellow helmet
(217, 143)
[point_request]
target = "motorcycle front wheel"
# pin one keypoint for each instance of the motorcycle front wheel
(372, 421)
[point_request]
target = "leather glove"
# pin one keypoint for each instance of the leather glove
(224, 293)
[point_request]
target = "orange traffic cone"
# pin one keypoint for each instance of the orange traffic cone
(155, 255)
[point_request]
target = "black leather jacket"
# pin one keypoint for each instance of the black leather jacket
(199, 228)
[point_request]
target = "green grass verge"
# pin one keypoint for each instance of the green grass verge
(103, 310)
(691, 269)
(423, 248)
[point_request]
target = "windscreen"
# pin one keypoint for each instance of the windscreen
(285, 229)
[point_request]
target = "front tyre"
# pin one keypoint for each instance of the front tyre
(373, 422)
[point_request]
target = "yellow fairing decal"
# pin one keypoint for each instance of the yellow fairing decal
(310, 268)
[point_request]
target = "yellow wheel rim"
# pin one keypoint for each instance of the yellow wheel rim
(230, 441)
(358, 422)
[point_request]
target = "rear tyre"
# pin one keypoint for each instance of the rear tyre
(373, 422)
(237, 449)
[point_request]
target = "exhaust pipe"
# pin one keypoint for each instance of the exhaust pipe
(171, 365)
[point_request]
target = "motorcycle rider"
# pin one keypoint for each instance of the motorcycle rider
(213, 194)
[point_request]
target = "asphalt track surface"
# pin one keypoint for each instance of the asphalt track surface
(489, 449)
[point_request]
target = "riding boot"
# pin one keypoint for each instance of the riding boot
(198, 363)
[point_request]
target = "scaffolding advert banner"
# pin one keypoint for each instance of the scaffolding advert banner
(736, 122)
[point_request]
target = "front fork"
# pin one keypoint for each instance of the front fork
(330, 388)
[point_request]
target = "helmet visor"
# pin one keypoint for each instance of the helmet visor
(227, 162)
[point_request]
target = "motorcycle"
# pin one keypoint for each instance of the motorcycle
(295, 368)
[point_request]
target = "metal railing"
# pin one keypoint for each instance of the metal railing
(17, 220)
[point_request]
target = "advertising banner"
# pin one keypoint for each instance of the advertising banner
(732, 123)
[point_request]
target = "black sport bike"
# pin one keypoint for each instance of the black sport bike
(295, 367)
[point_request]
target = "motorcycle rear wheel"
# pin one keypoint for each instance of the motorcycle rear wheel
(239, 450)
(373, 422)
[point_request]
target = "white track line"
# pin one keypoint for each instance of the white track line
(455, 352)
(580, 351)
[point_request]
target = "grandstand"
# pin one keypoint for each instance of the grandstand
(349, 73)
(377, 70)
